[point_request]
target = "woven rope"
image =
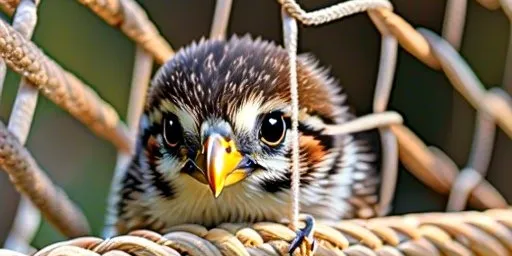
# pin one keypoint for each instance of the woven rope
(24, 172)
(425, 234)
(134, 22)
(24, 21)
(62, 87)
(9, 6)
(431, 234)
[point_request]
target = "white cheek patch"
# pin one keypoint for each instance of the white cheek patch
(245, 117)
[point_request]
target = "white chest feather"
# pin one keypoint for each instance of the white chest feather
(194, 203)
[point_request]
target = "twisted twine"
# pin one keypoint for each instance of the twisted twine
(9, 6)
(383, 89)
(24, 21)
(61, 87)
(30, 180)
(430, 165)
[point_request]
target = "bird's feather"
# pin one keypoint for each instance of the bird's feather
(232, 82)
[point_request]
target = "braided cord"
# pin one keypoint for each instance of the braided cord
(27, 215)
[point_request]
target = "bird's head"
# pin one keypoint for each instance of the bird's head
(219, 112)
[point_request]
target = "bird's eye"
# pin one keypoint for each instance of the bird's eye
(172, 130)
(273, 129)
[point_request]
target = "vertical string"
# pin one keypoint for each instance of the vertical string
(141, 77)
(290, 31)
(220, 19)
(383, 87)
(506, 6)
(454, 21)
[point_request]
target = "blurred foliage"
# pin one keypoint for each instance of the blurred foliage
(103, 57)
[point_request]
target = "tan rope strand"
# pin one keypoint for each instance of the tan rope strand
(462, 78)
(506, 5)
(9, 6)
(490, 4)
(129, 16)
(22, 114)
(425, 234)
(24, 227)
(433, 170)
(389, 155)
(454, 21)
(382, 20)
(63, 88)
(221, 19)
(383, 85)
(32, 182)
(453, 25)
(432, 164)
(140, 82)
(28, 217)
(417, 45)
(483, 142)
(364, 123)
(478, 163)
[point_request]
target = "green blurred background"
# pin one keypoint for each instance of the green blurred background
(103, 57)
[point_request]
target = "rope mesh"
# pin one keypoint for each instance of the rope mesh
(419, 234)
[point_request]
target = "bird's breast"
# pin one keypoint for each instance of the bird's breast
(194, 202)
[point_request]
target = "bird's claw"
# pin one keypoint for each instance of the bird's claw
(304, 239)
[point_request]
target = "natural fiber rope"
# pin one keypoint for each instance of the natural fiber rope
(461, 78)
(221, 19)
(430, 234)
(140, 82)
(22, 114)
(478, 163)
(412, 153)
(134, 22)
(431, 165)
(32, 182)
(61, 87)
(9, 6)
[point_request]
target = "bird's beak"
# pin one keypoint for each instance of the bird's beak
(222, 161)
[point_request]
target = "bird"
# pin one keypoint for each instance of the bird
(214, 143)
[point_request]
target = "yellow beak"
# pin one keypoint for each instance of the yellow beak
(222, 157)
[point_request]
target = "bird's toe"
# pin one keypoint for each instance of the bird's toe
(304, 241)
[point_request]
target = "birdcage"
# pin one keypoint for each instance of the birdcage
(487, 232)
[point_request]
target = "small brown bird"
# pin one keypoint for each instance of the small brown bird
(214, 143)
